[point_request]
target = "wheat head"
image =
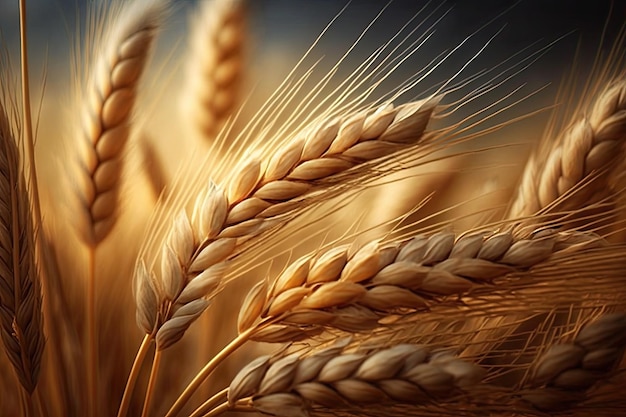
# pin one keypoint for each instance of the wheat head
(564, 372)
(293, 385)
(215, 64)
(21, 314)
(575, 171)
(111, 91)
(353, 290)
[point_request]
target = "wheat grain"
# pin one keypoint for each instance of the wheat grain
(20, 293)
(215, 64)
(201, 245)
(337, 378)
(106, 111)
(566, 371)
(575, 172)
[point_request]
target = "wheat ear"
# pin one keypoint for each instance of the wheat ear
(198, 247)
(215, 64)
(564, 372)
(20, 294)
(580, 162)
(353, 290)
(123, 50)
(295, 384)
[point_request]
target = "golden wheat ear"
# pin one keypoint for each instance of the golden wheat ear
(112, 81)
(21, 315)
(348, 379)
(214, 64)
(577, 169)
(355, 291)
(117, 53)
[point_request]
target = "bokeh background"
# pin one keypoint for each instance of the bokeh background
(281, 30)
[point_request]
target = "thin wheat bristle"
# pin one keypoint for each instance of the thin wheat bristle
(107, 107)
(20, 293)
(215, 64)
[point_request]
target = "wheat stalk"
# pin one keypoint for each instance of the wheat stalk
(575, 172)
(123, 49)
(499, 298)
(20, 293)
(564, 372)
(214, 64)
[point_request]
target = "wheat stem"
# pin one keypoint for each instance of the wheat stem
(134, 373)
(27, 406)
(208, 369)
(219, 410)
(91, 336)
(41, 410)
(209, 404)
(154, 372)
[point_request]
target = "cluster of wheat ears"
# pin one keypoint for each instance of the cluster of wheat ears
(256, 287)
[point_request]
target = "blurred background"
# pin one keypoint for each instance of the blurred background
(282, 30)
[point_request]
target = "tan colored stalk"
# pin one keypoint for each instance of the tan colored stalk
(564, 372)
(235, 344)
(123, 50)
(353, 290)
(260, 195)
(147, 403)
(21, 317)
(580, 162)
(215, 64)
(337, 379)
(132, 378)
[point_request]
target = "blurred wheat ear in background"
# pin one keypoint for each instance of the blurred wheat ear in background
(359, 235)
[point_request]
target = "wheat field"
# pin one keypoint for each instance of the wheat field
(409, 211)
